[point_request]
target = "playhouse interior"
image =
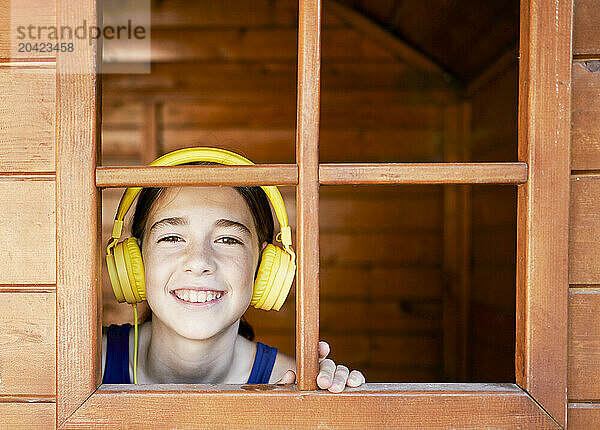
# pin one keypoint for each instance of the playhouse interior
(417, 282)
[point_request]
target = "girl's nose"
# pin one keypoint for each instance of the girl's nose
(199, 258)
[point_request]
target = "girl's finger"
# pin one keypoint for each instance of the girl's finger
(288, 378)
(325, 376)
(323, 350)
(339, 379)
(355, 379)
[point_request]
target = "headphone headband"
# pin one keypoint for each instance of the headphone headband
(216, 155)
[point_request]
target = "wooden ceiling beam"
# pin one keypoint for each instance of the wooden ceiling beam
(383, 38)
(503, 62)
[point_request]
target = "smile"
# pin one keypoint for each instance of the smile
(197, 296)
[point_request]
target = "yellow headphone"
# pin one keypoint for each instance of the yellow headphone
(124, 259)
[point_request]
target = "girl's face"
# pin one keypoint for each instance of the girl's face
(200, 251)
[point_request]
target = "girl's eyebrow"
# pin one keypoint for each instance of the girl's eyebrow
(176, 221)
(170, 221)
(230, 223)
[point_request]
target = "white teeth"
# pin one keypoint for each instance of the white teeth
(195, 296)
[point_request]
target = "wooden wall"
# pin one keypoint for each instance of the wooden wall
(28, 228)
(381, 246)
(584, 249)
(406, 126)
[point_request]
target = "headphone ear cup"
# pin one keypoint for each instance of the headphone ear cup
(274, 279)
(114, 277)
(135, 268)
(121, 265)
(262, 283)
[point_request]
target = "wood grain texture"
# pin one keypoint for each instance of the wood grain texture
(586, 35)
(15, 14)
(27, 344)
(307, 193)
(77, 217)
(27, 112)
(26, 416)
(276, 145)
(28, 231)
(118, 177)
(423, 173)
(584, 251)
(373, 405)
(179, 114)
(274, 82)
(266, 44)
(543, 203)
(584, 344)
(585, 138)
(583, 416)
(456, 246)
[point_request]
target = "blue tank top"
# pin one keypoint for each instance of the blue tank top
(116, 368)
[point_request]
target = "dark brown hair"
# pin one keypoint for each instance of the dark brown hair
(257, 202)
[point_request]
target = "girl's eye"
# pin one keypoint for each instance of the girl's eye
(228, 240)
(170, 239)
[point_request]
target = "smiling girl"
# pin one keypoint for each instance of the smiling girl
(201, 249)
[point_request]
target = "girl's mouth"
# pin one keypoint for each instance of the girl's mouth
(198, 297)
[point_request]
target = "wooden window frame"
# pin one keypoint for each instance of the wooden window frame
(538, 399)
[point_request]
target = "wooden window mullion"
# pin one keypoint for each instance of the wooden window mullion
(307, 193)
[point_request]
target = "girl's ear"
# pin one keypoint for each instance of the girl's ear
(264, 245)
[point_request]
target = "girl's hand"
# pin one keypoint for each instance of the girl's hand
(331, 377)
(335, 378)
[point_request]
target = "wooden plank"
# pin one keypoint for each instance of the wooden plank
(77, 217)
(28, 231)
(26, 416)
(585, 142)
(251, 45)
(494, 124)
(380, 214)
(307, 193)
(368, 249)
(583, 416)
(423, 173)
(373, 405)
(275, 82)
(456, 247)
(543, 203)
(231, 13)
(586, 37)
(276, 145)
(178, 114)
(494, 284)
(401, 283)
(494, 206)
(494, 247)
(584, 344)
(28, 339)
(584, 249)
(15, 18)
(28, 121)
(391, 317)
(278, 174)
(28, 288)
(150, 140)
